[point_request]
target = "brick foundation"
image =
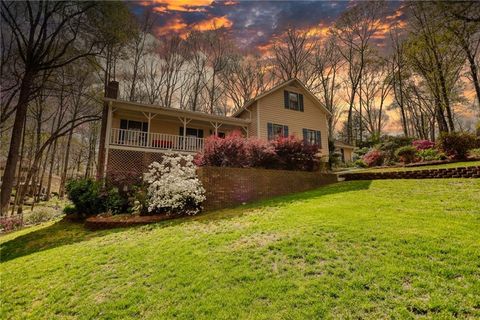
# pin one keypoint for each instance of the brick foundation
(227, 187)
(461, 172)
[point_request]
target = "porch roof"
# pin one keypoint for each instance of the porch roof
(173, 112)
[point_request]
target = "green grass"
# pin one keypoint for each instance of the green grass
(437, 166)
(359, 249)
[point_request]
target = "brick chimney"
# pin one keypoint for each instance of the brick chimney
(112, 90)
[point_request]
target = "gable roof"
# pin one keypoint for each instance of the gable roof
(278, 87)
(341, 144)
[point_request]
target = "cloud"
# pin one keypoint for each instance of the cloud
(175, 25)
(214, 23)
(177, 5)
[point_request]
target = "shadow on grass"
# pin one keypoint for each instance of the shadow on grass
(64, 233)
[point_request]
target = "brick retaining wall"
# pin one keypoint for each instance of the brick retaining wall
(227, 187)
(461, 172)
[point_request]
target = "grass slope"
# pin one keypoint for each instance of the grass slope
(359, 249)
(433, 166)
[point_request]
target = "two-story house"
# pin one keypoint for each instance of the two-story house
(138, 134)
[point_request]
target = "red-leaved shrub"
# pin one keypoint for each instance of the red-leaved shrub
(289, 153)
(261, 154)
(373, 158)
(295, 154)
(423, 144)
(223, 152)
(457, 144)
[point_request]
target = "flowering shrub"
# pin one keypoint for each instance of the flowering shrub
(373, 158)
(457, 144)
(11, 223)
(423, 144)
(260, 154)
(406, 154)
(289, 153)
(173, 186)
(223, 152)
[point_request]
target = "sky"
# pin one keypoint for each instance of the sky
(253, 24)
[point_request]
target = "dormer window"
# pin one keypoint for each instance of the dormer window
(293, 100)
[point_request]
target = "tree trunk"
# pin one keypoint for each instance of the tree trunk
(63, 178)
(474, 73)
(12, 159)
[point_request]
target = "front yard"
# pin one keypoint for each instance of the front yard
(360, 249)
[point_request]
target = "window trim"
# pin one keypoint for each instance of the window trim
(316, 133)
(271, 134)
(286, 96)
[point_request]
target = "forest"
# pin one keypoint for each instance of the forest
(57, 59)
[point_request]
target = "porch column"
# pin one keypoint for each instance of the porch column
(216, 125)
(246, 130)
(184, 121)
(108, 137)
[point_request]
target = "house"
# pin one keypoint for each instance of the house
(345, 150)
(138, 133)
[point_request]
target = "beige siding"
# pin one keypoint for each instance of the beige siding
(348, 154)
(159, 125)
(272, 110)
(252, 128)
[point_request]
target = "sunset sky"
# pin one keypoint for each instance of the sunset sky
(253, 24)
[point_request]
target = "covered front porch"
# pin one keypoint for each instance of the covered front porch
(135, 126)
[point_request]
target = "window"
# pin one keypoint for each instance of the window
(133, 125)
(312, 137)
(192, 132)
(133, 138)
(293, 101)
(219, 134)
(276, 130)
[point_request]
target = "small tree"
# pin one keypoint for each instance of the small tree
(173, 186)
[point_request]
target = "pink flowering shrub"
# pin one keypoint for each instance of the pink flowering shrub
(289, 153)
(423, 144)
(373, 158)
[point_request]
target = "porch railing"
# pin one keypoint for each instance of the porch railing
(153, 140)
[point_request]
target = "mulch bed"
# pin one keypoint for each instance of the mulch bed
(123, 221)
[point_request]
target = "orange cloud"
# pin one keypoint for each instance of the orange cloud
(318, 31)
(178, 5)
(176, 25)
(214, 23)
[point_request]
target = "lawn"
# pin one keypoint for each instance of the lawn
(358, 249)
(437, 166)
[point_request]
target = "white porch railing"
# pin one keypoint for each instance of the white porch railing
(152, 140)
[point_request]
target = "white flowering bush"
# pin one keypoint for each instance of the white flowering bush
(173, 186)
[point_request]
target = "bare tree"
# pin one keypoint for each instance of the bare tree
(292, 54)
(467, 36)
(375, 88)
(432, 52)
(44, 40)
(327, 63)
(137, 47)
(355, 28)
(244, 79)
